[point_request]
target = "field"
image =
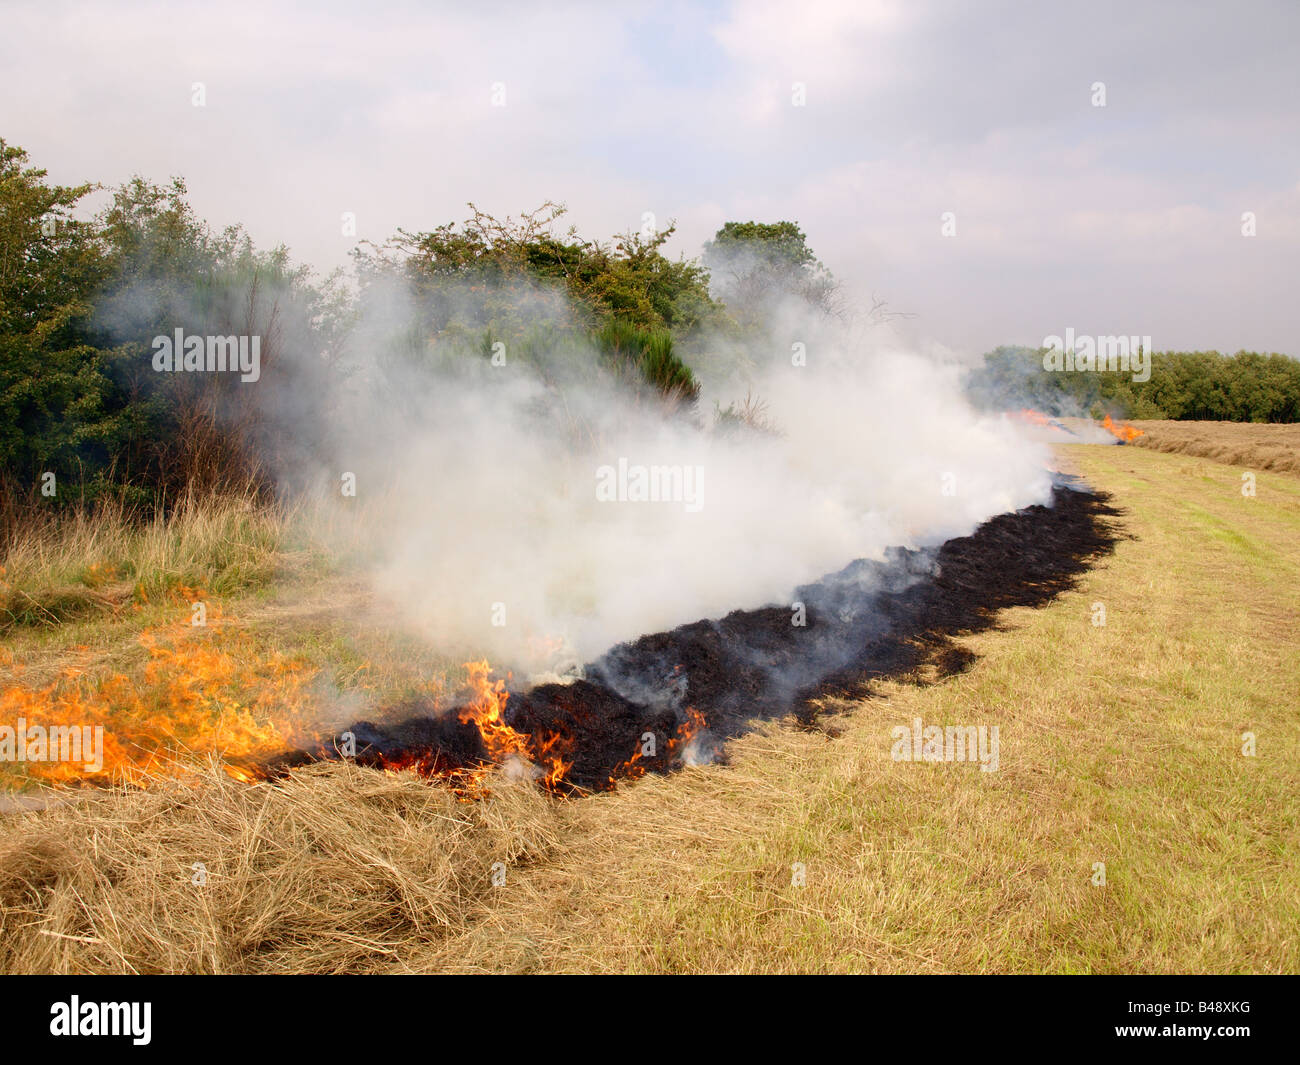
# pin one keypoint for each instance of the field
(1125, 830)
(1257, 447)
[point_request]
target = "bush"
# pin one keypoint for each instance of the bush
(650, 352)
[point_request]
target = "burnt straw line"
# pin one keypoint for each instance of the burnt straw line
(701, 684)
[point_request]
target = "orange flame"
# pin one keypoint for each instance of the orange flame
(1033, 416)
(1123, 431)
(194, 701)
(210, 692)
(635, 769)
(486, 711)
(686, 732)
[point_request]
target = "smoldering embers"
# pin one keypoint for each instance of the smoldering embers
(871, 621)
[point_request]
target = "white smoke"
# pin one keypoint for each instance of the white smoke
(490, 536)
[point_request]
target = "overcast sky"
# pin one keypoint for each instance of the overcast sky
(1122, 219)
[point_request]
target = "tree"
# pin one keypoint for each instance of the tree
(52, 390)
(205, 432)
(1189, 385)
(754, 263)
(490, 279)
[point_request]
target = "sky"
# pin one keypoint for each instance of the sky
(874, 125)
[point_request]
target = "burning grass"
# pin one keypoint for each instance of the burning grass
(212, 692)
(202, 692)
(216, 692)
(571, 739)
(645, 705)
(1122, 431)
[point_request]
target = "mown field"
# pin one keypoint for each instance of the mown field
(1121, 744)
(1250, 446)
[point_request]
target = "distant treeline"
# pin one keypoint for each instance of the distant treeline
(1183, 386)
(82, 400)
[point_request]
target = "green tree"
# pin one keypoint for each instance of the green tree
(1189, 385)
(201, 432)
(52, 390)
(754, 263)
(490, 279)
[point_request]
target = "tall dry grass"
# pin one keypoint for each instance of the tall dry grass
(81, 562)
(335, 869)
(84, 562)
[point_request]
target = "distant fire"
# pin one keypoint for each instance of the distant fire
(1120, 430)
(1037, 418)
(1033, 417)
(1123, 431)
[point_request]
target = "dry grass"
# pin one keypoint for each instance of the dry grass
(88, 564)
(336, 869)
(1253, 447)
(1120, 744)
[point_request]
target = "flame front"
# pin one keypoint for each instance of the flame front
(212, 692)
(194, 701)
(486, 711)
(1123, 431)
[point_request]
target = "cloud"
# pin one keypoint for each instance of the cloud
(1064, 210)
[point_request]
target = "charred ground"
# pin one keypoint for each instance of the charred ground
(702, 683)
